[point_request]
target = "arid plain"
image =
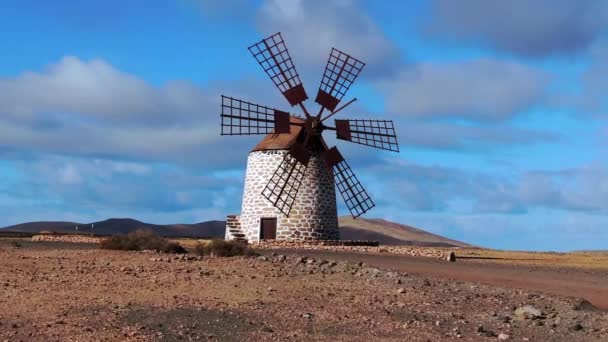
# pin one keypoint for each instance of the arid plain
(76, 292)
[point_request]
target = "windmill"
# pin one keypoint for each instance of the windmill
(289, 184)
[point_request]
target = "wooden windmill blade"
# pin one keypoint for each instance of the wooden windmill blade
(375, 133)
(284, 184)
(245, 118)
(272, 54)
(340, 72)
(355, 196)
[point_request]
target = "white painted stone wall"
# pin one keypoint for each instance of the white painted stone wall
(313, 215)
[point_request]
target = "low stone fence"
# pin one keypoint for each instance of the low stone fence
(67, 238)
(330, 245)
(303, 244)
(357, 246)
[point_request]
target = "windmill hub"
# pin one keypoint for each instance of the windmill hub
(316, 126)
(291, 174)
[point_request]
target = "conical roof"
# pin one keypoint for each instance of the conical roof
(280, 141)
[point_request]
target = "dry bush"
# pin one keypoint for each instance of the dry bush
(16, 244)
(223, 248)
(140, 240)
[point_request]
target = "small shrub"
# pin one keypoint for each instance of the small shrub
(140, 240)
(223, 248)
(16, 244)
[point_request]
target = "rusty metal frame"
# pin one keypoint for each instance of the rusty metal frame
(245, 118)
(284, 184)
(281, 122)
(332, 157)
(343, 130)
(273, 56)
(375, 133)
(356, 198)
(340, 72)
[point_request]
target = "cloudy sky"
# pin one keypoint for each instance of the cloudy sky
(111, 109)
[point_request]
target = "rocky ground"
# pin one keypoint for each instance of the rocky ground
(70, 292)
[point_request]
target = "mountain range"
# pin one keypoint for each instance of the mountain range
(387, 233)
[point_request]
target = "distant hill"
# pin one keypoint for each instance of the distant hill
(123, 226)
(391, 233)
(388, 233)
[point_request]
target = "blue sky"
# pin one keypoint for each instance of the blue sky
(111, 109)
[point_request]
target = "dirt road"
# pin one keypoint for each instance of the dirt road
(589, 284)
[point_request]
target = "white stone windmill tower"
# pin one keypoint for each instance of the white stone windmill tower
(289, 184)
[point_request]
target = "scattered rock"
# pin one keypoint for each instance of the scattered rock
(401, 290)
(372, 272)
(426, 282)
(307, 315)
(527, 312)
(577, 326)
(503, 337)
(584, 304)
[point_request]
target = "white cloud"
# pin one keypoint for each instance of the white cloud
(69, 175)
(90, 108)
(590, 99)
(81, 185)
(482, 89)
(442, 188)
(539, 28)
(311, 28)
(97, 91)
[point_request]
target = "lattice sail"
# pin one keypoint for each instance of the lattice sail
(356, 198)
(245, 118)
(282, 188)
(375, 133)
(272, 54)
(340, 73)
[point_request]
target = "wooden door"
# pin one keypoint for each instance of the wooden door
(269, 228)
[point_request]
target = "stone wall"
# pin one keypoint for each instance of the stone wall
(304, 244)
(67, 238)
(313, 215)
(358, 246)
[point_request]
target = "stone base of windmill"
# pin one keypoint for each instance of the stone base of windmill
(234, 232)
(291, 237)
